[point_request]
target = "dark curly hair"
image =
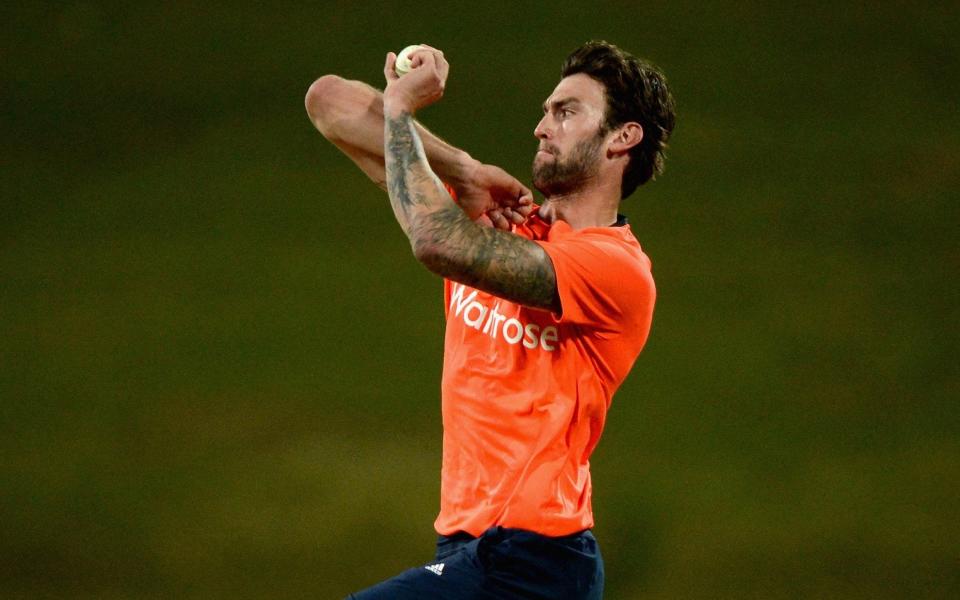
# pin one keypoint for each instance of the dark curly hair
(636, 91)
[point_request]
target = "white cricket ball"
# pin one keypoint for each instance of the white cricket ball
(402, 66)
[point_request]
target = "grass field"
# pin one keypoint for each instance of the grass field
(219, 363)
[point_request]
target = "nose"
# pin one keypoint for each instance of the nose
(542, 131)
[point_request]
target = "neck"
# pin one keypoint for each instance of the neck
(584, 208)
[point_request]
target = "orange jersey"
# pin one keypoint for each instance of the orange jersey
(526, 392)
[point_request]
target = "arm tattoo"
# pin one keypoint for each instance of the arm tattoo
(498, 262)
(409, 179)
(448, 242)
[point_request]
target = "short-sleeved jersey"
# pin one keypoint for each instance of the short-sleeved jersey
(525, 392)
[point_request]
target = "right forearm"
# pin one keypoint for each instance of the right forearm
(450, 163)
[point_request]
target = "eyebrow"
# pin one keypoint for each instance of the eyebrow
(561, 102)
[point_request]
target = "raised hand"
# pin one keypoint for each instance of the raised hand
(421, 86)
(487, 194)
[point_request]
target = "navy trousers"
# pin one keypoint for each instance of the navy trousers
(502, 564)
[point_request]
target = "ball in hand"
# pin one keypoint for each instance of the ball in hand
(403, 64)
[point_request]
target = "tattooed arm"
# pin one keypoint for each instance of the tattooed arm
(443, 238)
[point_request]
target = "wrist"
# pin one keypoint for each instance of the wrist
(395, 104)
(461, 174)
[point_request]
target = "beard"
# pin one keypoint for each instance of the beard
(561, 177)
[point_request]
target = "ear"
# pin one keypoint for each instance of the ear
(625, 137)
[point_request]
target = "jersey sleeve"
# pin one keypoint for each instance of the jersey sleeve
(602, 283)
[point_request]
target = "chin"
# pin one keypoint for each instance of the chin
(539, 183)
(544, 186)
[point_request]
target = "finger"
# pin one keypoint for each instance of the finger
(443, 67)
(525, 196)
(514, 215)
(389, 68)
(430, 49)
(436, 58)
(421, 58)
(524, 210)
(517, 217)
(484, 220)
(500, 222)
(515, 202)
(423, 48)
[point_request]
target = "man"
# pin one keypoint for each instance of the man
(547, 308)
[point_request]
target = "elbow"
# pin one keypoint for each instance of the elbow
(428, 254)
(325, 101)
(433, 256)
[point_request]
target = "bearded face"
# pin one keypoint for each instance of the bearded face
(560, 174)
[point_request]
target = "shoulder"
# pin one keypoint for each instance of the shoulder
(603, 276)
(616, 246)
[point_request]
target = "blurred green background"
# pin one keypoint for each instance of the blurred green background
(219, 362)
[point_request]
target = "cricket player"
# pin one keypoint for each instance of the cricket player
(547, 308)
